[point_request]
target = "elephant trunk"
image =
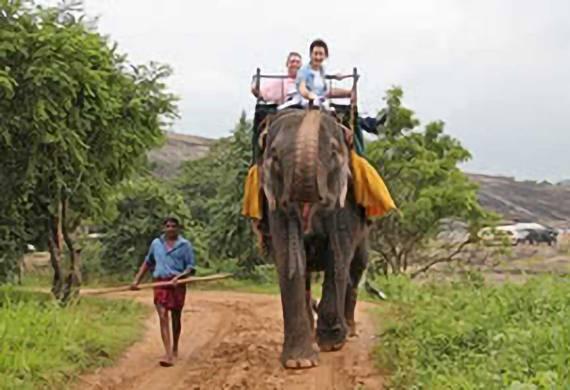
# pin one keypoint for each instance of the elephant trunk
(296, 259)
(305, 187)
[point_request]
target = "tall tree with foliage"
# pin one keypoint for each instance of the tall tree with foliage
(213, 187)
(75, 120)
(142, 205)
(421, 169)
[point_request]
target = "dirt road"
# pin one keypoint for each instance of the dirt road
(232, 341)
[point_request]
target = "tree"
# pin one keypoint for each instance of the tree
(420, 166)
(75, 120)
(142, 205)
(215, 198)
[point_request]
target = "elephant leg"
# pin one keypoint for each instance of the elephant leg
(331, 323)
(298, 350)
(357, 268)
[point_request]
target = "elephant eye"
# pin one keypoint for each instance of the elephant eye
(337, 155)
(276, 166)
(334, 144)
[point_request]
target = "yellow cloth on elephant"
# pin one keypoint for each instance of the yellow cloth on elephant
(370, 191)
(252, 194)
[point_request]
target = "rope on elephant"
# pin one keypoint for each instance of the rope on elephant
(188, 280)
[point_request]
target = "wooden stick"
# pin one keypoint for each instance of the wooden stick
(188, 280)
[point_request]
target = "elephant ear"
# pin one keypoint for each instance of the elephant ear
(343, 185)
(267, 184)
(345, 175)
(322, 185)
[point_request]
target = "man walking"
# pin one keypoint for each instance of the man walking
(170, 257)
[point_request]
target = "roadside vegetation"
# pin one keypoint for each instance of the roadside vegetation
(44, 345)
(91, 118)
(471, 335)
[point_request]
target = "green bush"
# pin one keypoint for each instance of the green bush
(141, 208)
(468, 335)
(213, 190)
(44, 346)
(91, 266)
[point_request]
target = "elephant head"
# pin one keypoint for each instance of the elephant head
(306, 163)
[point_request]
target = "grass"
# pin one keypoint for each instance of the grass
(239, 285)
(45, 346)
(469, 335)
(564, 245)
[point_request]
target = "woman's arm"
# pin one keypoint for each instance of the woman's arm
(339, 93)
(304, 91)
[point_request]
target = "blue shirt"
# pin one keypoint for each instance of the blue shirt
(307, 74)
(170, 262)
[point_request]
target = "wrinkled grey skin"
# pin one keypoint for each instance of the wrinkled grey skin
(315, 225)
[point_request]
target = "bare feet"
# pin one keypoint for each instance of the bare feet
(167, 361)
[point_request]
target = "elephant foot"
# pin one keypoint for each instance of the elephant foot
(306, 359)
(332, 347)
(331, 338)
(294, 364)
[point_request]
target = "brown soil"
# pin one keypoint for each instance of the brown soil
(232, 341)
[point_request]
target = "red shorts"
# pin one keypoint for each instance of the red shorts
(169, 297)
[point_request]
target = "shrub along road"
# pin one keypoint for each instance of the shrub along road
(45, 346)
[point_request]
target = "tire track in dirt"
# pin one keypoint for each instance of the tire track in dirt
(232, 341)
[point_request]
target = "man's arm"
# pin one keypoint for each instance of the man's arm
(254, 87)
(142, 271)
(189, 264)
(255, 91)
(339, 92)
(145, 266)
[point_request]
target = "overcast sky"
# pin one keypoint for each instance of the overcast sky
(496, 71)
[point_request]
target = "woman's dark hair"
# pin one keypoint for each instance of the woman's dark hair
(173, 220)
(319, 43)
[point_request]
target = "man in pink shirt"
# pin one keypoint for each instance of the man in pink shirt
(280, 90)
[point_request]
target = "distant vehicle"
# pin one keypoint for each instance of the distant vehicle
(500, 234)
(537, 236)
(529, 225)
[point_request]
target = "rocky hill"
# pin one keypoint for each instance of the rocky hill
(177, 149)
(525, 200)
(515, 200)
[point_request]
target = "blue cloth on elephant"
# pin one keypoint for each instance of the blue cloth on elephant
(368, 124)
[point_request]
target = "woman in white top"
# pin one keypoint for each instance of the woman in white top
(311, 81)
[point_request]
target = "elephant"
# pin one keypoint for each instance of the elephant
(314, 224)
